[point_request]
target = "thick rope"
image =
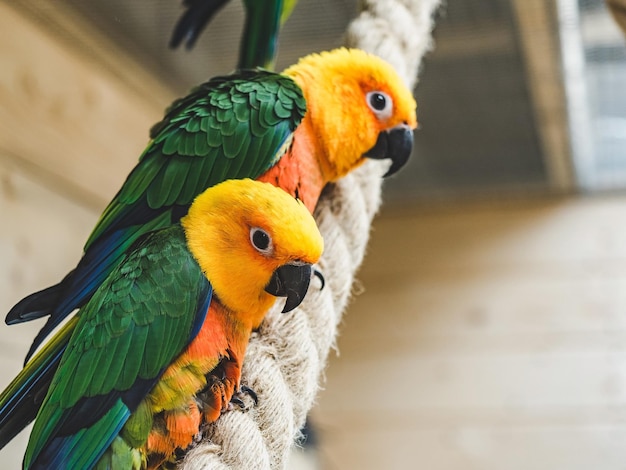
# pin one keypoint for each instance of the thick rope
(286, 357)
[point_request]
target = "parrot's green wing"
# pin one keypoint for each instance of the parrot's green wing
(137, 322)
(231, 127)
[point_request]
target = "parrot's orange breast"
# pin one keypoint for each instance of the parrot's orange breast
(299, 171)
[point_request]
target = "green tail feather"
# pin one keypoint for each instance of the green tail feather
(21, 400)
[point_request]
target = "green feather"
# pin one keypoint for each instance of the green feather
(172, 143)
(221, 167)
(138, 426)
(176, 177)
(193, 125)
(257, 128)
(233, 145)
(201, 147)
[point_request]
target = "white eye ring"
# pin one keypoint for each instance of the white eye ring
(261, 241)
(380, 103)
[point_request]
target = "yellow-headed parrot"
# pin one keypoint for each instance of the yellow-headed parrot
(170, 322)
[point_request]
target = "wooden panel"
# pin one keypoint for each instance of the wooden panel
(41, 238)
(64, 113)
(538, 33)
(477, 448)
(487, 337)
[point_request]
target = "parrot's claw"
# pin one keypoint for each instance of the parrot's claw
(318, 273)
(250, 392)
(238, 400)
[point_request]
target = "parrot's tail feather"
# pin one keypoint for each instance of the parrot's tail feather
(193, 21)
(36, 305)
(20, 401)
(50, 325)
(260, 35)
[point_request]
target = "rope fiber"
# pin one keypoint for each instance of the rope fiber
(285, 359)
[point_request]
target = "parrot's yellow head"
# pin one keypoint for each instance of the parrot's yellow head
(357, 107)
(253, 242)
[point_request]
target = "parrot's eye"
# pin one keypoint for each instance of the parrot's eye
(380, 103)
(260, 240)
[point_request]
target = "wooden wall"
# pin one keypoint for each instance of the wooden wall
(488, 337)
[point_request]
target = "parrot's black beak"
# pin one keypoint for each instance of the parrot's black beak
(291, 281)
(395, 144)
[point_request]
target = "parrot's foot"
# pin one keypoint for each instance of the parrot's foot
(214, 398)
(318, 273)
(243, 399)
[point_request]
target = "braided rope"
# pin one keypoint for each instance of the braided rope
(286, 357)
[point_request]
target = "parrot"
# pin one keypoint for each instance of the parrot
(260, 33)
(299, 130)
(173, 319)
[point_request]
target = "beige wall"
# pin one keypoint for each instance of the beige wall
(40, 238)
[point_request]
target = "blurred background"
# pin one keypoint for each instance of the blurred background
(489, 329)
